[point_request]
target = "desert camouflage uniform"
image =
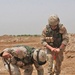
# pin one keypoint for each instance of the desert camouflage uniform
(60, 35)
(19, 53)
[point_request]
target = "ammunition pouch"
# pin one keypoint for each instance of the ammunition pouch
(49, 39)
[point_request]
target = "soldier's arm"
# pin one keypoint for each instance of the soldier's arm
(6, 53)
(65, 38)
(43, 41)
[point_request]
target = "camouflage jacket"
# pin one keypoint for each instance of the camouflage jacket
(54, 37)
(21, 53)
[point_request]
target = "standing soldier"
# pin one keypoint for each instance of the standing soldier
(55, 39)
(23, 57)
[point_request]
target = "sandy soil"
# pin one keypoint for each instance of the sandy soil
(68, 64)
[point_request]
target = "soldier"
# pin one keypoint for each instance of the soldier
(23, 57)
(55, 39)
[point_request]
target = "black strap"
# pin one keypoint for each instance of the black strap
(8, 63)
(39, 62)
(38, 55)
(1, 54)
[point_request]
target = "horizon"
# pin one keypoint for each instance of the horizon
(30, 17)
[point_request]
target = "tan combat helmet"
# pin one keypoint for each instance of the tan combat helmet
(53, 20)
(39, 55)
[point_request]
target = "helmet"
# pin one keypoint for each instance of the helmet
(39, 55)
(53, 20)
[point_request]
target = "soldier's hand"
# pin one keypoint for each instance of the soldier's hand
(50, 47)
(57, 50)
(53, 49)
(6, 55)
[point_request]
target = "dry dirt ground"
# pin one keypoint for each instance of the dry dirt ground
(68, 64)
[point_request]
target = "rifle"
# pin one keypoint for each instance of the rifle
(7, 62)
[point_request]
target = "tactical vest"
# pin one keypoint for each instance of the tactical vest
(28, 59)
(56, 36)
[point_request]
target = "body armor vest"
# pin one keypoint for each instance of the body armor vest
(56, 36)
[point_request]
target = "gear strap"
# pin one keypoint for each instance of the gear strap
(8, 63)
(39, 62)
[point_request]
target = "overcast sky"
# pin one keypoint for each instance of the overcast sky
(19, 17)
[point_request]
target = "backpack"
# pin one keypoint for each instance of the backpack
(28, 59)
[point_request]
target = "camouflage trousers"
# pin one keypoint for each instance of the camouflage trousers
(58, 60)
(27, 69)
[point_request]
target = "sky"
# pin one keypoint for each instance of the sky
(18, 17)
